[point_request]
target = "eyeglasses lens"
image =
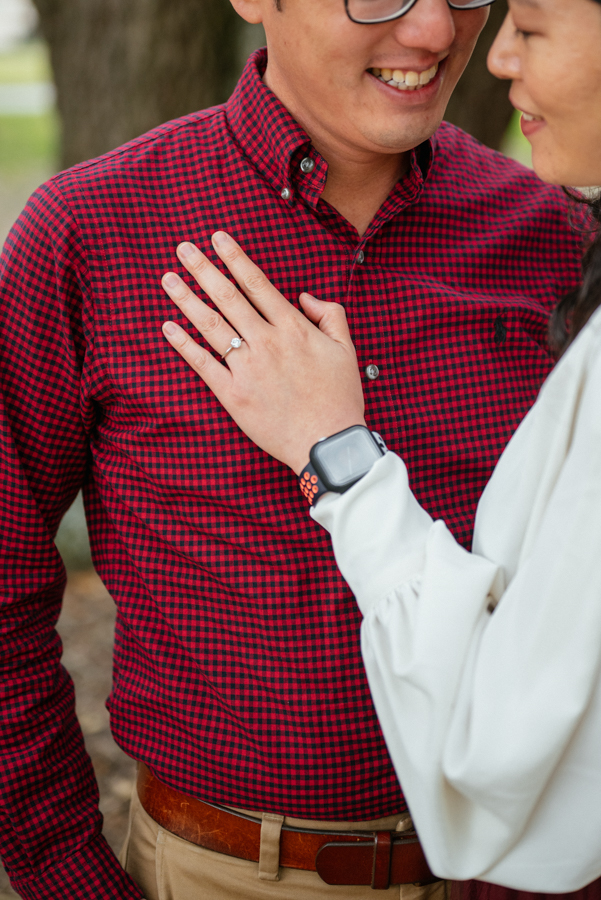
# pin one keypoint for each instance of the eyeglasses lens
(369, 12)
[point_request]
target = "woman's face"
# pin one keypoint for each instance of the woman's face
(551, 49)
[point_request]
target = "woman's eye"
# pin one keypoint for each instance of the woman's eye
(523, 34)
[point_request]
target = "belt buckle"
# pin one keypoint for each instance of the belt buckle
(365, 862)
(377, 859)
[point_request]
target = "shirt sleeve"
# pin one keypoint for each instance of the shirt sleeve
(491, 717)
(50, 825)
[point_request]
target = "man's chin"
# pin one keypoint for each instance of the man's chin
(395, 140)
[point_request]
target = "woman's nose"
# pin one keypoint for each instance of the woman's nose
(503, 59)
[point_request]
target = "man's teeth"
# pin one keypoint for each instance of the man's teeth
(405, 80)
(528, 118)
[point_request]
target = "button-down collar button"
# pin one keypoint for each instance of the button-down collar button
(286, 194)
(307, 165)
(372, 371)
(360, 256)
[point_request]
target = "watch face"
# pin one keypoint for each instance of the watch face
(344, 458)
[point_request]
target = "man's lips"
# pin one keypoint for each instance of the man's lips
(410, 95)
(406, 79)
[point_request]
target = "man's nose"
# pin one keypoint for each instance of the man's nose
(429, 25)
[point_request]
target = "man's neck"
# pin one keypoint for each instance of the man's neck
(359, 179)
(357, 189)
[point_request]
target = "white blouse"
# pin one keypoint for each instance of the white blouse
(493, 719)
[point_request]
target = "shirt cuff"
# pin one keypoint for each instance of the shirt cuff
(92, 872)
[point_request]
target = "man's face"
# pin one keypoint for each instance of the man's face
(321, 66)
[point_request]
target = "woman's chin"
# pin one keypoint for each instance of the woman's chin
(547, 172)
(550, 166)
(558, 166)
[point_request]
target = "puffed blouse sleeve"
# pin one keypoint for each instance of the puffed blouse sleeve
(493, 718)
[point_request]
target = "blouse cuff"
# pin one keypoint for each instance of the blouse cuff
(380, 504)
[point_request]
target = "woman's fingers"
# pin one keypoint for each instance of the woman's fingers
(217, 377)
(330, 317)
(209, 323)
(220, 289)
(255, 284)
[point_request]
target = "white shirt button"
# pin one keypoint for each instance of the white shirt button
(307, 165)
(286, 194)
(360, 256)
(372, 371)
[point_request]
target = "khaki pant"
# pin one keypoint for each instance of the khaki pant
(169, 868)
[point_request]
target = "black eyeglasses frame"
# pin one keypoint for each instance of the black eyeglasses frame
(476, 4)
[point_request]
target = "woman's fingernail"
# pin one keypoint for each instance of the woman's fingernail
(170, 280)
(220, 238)
(186, 249)
(169, 328)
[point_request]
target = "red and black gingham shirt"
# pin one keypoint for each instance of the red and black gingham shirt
(238, 675)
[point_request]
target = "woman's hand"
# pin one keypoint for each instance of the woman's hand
(289, 383)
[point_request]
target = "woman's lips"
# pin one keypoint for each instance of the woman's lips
(531, 124)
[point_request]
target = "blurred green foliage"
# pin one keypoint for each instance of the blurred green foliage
(515, 144)
(25, 63)
(27, 141)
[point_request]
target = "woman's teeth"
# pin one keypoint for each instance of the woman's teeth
(405, 80)
(528, 118)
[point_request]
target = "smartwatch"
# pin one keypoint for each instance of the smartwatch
(339, 461)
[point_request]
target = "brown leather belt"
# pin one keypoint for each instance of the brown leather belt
(376, 858)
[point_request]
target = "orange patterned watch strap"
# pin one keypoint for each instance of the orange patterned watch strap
(311, 485)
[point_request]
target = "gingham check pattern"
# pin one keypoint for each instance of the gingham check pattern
(238, 675)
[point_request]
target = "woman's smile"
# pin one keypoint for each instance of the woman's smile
(531, 124)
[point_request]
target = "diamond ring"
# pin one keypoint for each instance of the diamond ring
(234, 344)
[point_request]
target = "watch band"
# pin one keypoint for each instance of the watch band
(311, 485)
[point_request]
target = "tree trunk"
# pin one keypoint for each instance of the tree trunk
(124, 66)
(479, 103)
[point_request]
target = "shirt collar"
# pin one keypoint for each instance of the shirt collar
(276, 145)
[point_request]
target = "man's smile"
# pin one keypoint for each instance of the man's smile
(405, 79)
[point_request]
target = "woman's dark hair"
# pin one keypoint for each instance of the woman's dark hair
(573, 312)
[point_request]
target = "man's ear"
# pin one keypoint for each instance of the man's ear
(250, 10)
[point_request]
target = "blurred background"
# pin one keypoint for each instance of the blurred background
(77, 78)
